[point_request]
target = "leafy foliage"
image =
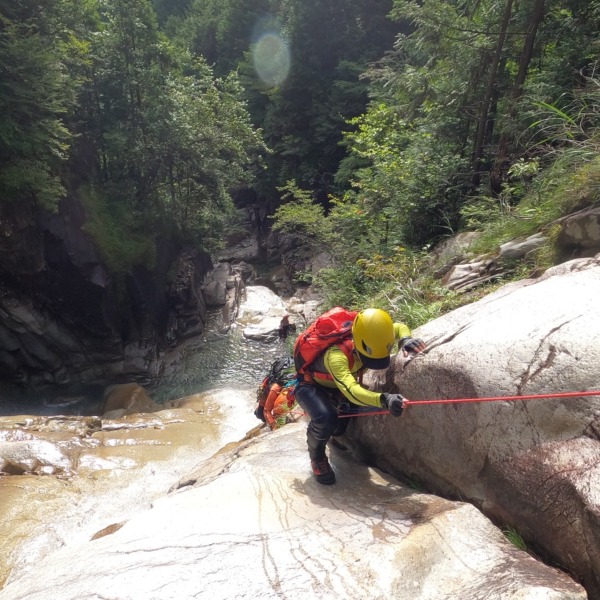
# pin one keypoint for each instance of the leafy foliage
(172, 141)
(93, 89)
(221, 30)
(480, 115)
(400, 283)
(37, 91)
(566, 139)
(301, 215)
(111, 226)
(515, 538)
(303, 116)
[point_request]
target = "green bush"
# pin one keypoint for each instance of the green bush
(120, 244)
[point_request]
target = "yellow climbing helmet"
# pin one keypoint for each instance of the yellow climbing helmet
(373, 335)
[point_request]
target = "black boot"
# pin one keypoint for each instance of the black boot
(318, 459)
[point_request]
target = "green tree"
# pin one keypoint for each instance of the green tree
(166, 9)
(39, 59)
(130, 66)
(301, 215)
(207, 154)
(330, 44)
(303, 115)
(171, 141)
(222, 30)
(457, 89)
(554, 55)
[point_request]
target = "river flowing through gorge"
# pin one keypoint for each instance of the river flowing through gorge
(213, 360)
(198, 500)
(216, 360)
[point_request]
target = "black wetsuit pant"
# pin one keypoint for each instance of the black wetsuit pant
(323, 405)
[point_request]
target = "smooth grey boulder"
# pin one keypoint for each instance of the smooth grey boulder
(534, 465)
(33, 456)
(518, 249)
(214, 289)
(580, 232)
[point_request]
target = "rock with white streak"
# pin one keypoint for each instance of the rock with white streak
(33, 456)
(252, 523)
(532, 464)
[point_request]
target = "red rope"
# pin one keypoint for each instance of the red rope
(505, 398)
(408, 403)
(366, 413)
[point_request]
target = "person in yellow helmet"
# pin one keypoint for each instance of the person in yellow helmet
(333, 379)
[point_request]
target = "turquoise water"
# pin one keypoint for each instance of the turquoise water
(218, 360)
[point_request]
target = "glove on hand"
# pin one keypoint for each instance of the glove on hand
(393, 402)
(259, 413)
(409, 344)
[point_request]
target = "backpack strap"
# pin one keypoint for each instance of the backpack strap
(347, 347)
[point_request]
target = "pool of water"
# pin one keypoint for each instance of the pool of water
(219, 360)
(56, 400)
(214, 360)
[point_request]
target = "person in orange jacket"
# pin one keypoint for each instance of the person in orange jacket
(278, 406)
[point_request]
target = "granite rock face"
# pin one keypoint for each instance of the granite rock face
(533, 465)
(251, 522)
(65, 480)
(580, 233)
(65, 318)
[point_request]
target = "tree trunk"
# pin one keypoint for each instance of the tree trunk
(489, 93)
(501, 163)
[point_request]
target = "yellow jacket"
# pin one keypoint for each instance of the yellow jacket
(344, 376)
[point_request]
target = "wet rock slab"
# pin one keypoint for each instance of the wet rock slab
(252, 523)
(64, 478)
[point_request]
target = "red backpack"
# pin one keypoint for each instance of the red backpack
(332, 327)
